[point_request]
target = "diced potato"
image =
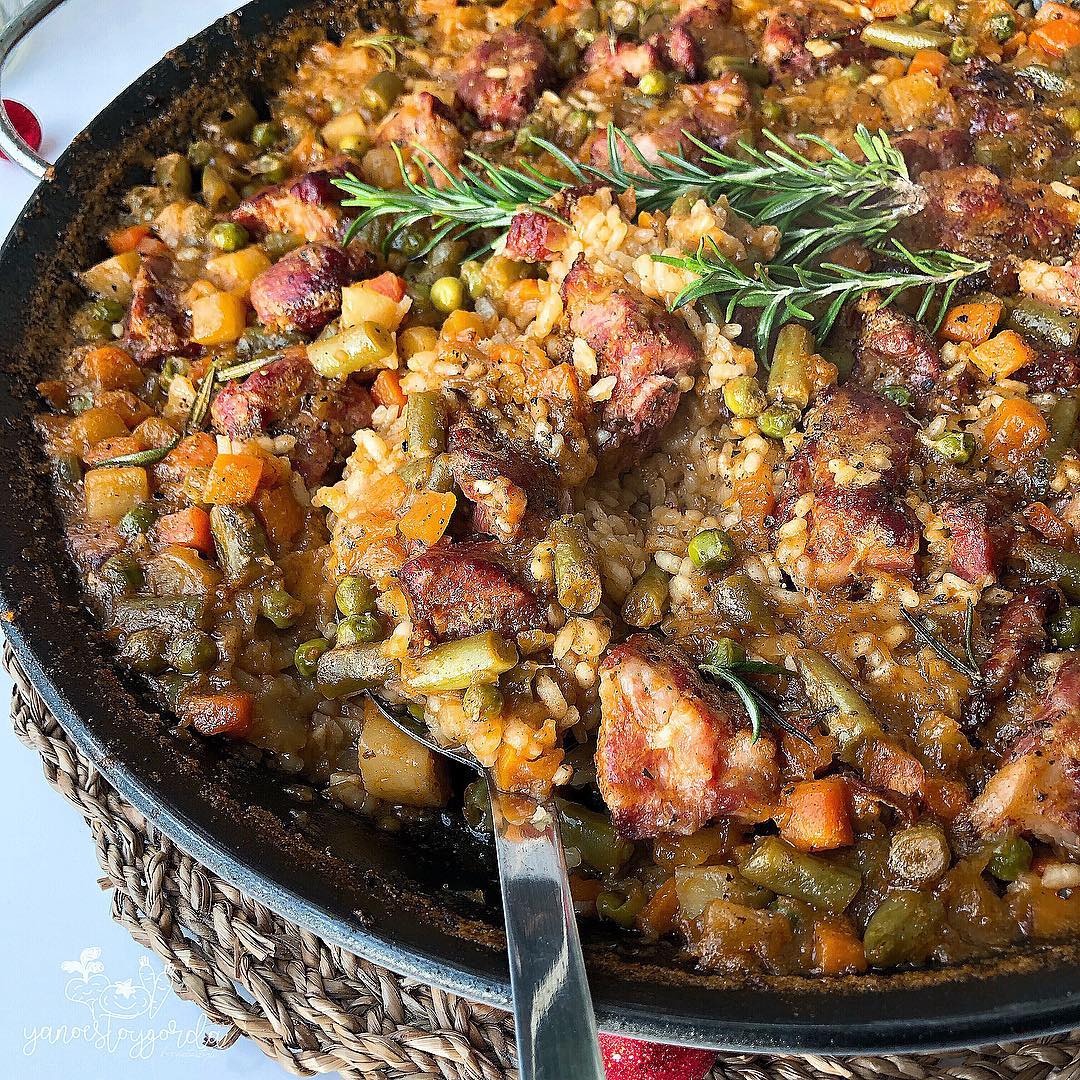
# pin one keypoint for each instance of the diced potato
(198, 289)
(360, 304)
(219, 319)
(417, 339)
(910, 102)
(183, 223)
(236, 271)
(113, 278)
(111, 493)
(342, 126)
(94, 426)
(110, 368)
(397, 768)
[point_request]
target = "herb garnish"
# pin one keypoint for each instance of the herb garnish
(925, 632)
(384, 44)
(754, 701)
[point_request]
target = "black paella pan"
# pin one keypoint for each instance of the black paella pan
(425, 906)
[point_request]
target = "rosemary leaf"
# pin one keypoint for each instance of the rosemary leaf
(201, 404)
(239, 371)
(139, 457)
(754, 701)
(926, 634)
(384, 44)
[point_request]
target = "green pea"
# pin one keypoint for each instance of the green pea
(228, 236)
(654, 84)
(773, 113)
(359, 630)
(355, 596)
(712, 550)
(1010, 858)
(897, 394)
(281, 608)
(726, 652)
(1065, 628)
(1002, 27)
(277, 244)
(200, 154)
(954, 446)
(137, 521)
(476, 807)
(121, 574)
(855, 73)
(777, 421)
(447, 294)
(271, 168)
(306, 659)
(191, 653)
(144, 651)
(107, 311)
(266, 134)
(80, 403)
(744, 397)
(962, 49)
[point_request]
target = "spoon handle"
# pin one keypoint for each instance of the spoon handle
(553, 1011)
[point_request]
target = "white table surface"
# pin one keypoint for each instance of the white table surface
(78, 998)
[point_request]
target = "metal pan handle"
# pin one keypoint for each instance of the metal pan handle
(11, 142)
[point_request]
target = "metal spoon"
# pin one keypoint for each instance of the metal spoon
(553, 1011)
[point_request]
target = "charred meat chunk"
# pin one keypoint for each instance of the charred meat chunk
(699, 31)
(455, 590)
(1018, 638)
(302, 291)
(423, 121)
(156, 325)
(895, 348)
(308, 207)
(928, 150)
(853, 464)
(975, 549)
(673, 752)
(645, 347)
(502, 77)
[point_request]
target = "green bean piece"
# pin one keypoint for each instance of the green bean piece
(107, 310)
(790, 377)
(725, 652)
(594, 836)
(744, 397)
(622, 906)
(956, 447)
(1001, 27)
(137, 521)
(382, 91)
(425, 415)
(172, 173)
(1062, 421)
(777, 866)
(850, 719)
(355, 595)
(482, 701)
(349, 669)
(145, 651)
(919, 855)
(218, 194)
(1041, 562)
(352, 350)
(712, 550)
(717, 66)
(855, 73)
(741, 600)
(280, 608)
(963, 49)
(476, 808)
(228, 236)
(417, 474)
(357, 629)
(270, 168)
(647, 600)
(1032, 318)
(577, 573)
(240, 543)
(121, 574)
(698, 886)
(191, 653)
(266, 134)
(456, 665)
(777, 421)
(1043, 78)
(306, 658)
(904, 40)
(1010, 858)
(902, 929)
(1065, 628)
(173, 614)
(277, 244)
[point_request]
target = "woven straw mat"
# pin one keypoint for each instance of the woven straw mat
(314, 1008)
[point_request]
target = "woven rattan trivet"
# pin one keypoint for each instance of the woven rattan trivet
(314, 1008)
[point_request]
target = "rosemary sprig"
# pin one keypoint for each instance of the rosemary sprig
(241, 370)
(138, 457)
(384, 45)
(482, 195)
(754, 701)
(795, 293)
(926, 633)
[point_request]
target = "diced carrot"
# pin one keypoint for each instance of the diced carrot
(929, 60)
(1047, 524)
(426, 520)
(837, 949)
(94, 426)
(522, 292)
(755, 497)
(110, 368)
(657, 917)
(189, 528)
(972, 322)
(815, 815)
(386, 389)
(389, 285)
(463, 324)
(1053, 10)
(1002, 355)
(279, 514)
(584, 891)
(1015, 431)
(196, 451)
(152, 246)
(233, 480)
(1056, 37)
(124, 240)
(220, 714)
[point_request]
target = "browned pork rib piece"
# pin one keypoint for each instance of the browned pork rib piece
(1037, 790)
(505, 479)
(302, 291)
(644, 346)
(455, 590)
(975, 549)
(621, 61)
(502, 77)
(289, 397)
(895, 348)
(1018, 638)
(699, 31)
(156, 325)
(1058, 286)
(535, 236)
(420, 120)
(853, 461)
(673, 753)
(926, 149)
(784, 50)
(306, 207)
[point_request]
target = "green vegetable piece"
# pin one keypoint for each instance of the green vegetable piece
(905, 40)
(594, 836)
(773, 112)
(228, 236)
(647, 599)
(1033, 318)
(306, 658)
(173, 614)
(107, 311)
(919, 855)
(577, 572)
(1010, 858)
(956, 447)
(456, 665)
(725, 653)
(777, 421)
(476, 808)
(355, 595)
(240, 543)
(482, 701)
(200, 154)
(1065, 628)
(756, 74)
(349, 669)
(266, 134)
(744, 397)
(137, 521)
(1001, 27)
(850, 719)
(382, 91)
(898, 395)
(712, 550)
(698, 886)
(359, 629)
(191, 653)
(121, 574)
(1041, 562)
(654, 84)
(447, 294)
(623, 906)
(741, 600)
(790, 377)
(775, 865)
(67, 468)
(963, 49)
(1062, 422)
(280, 608)
(173, 174)
(903, 929)
(356, 349)
(145, 651)
(425, 415)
